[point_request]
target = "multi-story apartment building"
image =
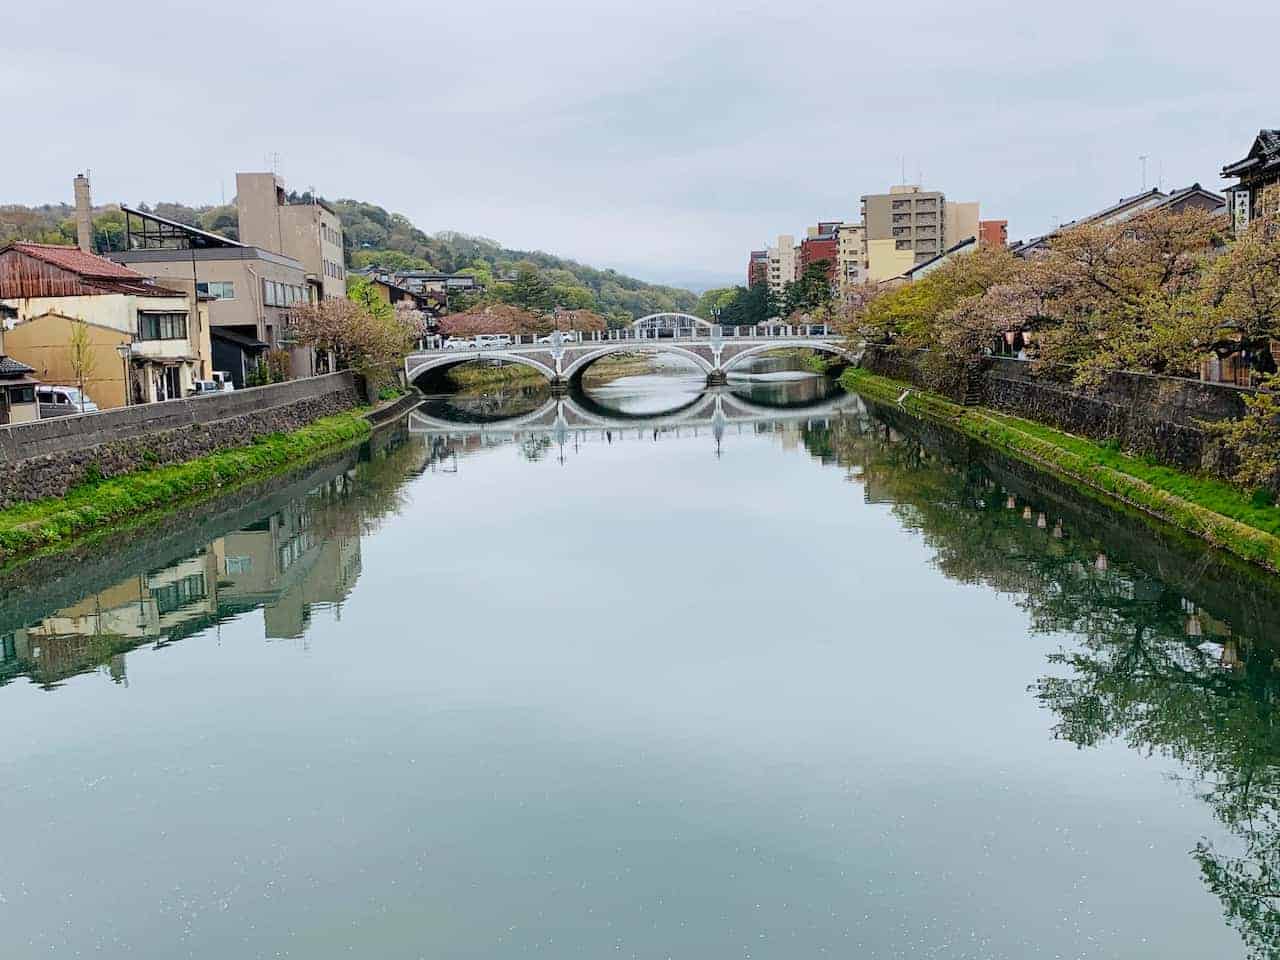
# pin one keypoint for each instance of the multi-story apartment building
(993, 233)
(782, 264)
(909, 225)
(758, 267)
(819, 245)
(308, 231)
(851, 254)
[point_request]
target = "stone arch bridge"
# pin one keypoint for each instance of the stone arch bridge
(713, 352)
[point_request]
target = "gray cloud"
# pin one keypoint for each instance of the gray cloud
(660, 137)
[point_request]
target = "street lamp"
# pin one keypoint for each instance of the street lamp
(126, 351)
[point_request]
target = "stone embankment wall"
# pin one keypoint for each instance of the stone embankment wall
(49, 457)
(1145, 414)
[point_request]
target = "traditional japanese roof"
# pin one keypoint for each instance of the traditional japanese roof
(10, 367)
(92, 274)
(1264, 154)
(88, 265)
(1178, 196)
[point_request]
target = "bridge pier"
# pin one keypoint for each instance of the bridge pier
(717, 378)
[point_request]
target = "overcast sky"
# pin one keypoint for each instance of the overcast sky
(663, 138)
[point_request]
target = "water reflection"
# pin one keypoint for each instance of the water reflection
(1152, 642)
(301, 558)
(1175, 649)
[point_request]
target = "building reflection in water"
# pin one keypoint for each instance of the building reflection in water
(301, 558)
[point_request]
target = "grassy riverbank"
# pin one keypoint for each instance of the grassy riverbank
(1210, 509)
(31, 528)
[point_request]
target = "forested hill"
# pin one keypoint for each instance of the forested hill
(376, 237)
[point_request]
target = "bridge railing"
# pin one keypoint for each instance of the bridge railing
(777, 331)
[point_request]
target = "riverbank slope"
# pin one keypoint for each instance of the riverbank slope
(99, 504)
(1210, 509)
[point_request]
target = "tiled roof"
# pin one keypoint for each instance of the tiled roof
(13, 368)
(77, 261)
(98, 274)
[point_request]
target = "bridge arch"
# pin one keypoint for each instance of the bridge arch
(574, 370)
(424, 365)
(822, 346)
(680, 324)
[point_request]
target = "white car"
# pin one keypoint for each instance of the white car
(565, 337)
(223, 380)
(69, 399)
(488, 341)
(459, 343)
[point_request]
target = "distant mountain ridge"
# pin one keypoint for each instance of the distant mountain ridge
(377, 237)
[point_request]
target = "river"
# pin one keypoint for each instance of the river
(793, 676)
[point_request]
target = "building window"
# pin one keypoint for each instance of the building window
(218, 289)
(162, 326)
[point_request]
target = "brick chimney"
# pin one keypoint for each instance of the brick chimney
(84, 214)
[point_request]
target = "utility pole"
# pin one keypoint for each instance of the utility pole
(1142, 158)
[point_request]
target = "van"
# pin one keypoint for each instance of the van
(69, 399)
(223, 380)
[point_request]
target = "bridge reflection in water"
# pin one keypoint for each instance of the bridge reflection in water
(715, 413)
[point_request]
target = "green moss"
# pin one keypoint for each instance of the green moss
(1209, 508)
(37, 526)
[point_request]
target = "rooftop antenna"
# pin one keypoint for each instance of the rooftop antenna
(903, 159)
(1142, 158)
(1160, 173)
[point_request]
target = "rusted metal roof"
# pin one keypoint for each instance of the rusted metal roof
(46, 270)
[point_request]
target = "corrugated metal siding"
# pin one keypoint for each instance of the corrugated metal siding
(24, 276)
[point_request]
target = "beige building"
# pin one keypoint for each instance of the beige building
(46, 289)
(782, 264)
(249, 291)
(307, 231)
(909, 225)
(851, 256)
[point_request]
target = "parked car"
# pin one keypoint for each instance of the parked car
(202, 387)
(566, 336)
(69, 398)
(223, 380)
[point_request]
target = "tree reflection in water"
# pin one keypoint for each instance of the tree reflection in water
(1177, 652)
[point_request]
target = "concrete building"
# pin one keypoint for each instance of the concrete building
(308, 231)
(851, 257)
(909, 225)
(758, 267)
(46, 289)
(993, 233)
(820, 245)
(250, 290)
(782, 264)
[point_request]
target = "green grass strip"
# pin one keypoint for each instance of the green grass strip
(35, 527)
(1206, 507)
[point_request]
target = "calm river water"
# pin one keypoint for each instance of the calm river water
(764, 683)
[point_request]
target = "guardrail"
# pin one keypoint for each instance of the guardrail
(769, 332)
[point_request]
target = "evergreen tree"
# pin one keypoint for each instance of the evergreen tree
(530, 290)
